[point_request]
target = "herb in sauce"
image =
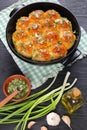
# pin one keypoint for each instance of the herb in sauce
(18, 84)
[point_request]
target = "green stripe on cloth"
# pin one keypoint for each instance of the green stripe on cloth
(37, 74)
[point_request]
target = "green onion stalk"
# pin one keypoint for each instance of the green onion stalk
(33, 107)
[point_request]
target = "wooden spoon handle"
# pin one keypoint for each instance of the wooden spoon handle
(8, 98)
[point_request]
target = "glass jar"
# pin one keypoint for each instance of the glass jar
(72, 100)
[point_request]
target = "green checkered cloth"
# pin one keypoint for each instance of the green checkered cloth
(37, 74)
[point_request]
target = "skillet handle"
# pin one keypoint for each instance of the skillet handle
(72, 59)
(16, 9)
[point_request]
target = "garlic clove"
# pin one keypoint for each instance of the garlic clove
(44, 128)
(30, 124)
(67, 121)
(53, 119)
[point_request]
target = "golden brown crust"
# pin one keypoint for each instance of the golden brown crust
(43, 36)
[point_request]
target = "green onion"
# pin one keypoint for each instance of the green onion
(33, 108)
(59, 42)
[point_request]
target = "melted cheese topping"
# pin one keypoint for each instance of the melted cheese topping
(43, 36)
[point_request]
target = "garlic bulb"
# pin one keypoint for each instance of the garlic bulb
(66, 120)
(53, 119)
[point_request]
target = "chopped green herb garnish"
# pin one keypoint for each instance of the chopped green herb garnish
(59, 42)
(74, 31)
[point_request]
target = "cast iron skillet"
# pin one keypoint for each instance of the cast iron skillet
(24, 11)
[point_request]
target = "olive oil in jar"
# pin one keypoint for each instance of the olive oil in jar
(72, 100)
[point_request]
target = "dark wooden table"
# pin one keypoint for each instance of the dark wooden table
(78, 69)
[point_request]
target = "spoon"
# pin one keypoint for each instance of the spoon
(8, 98)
